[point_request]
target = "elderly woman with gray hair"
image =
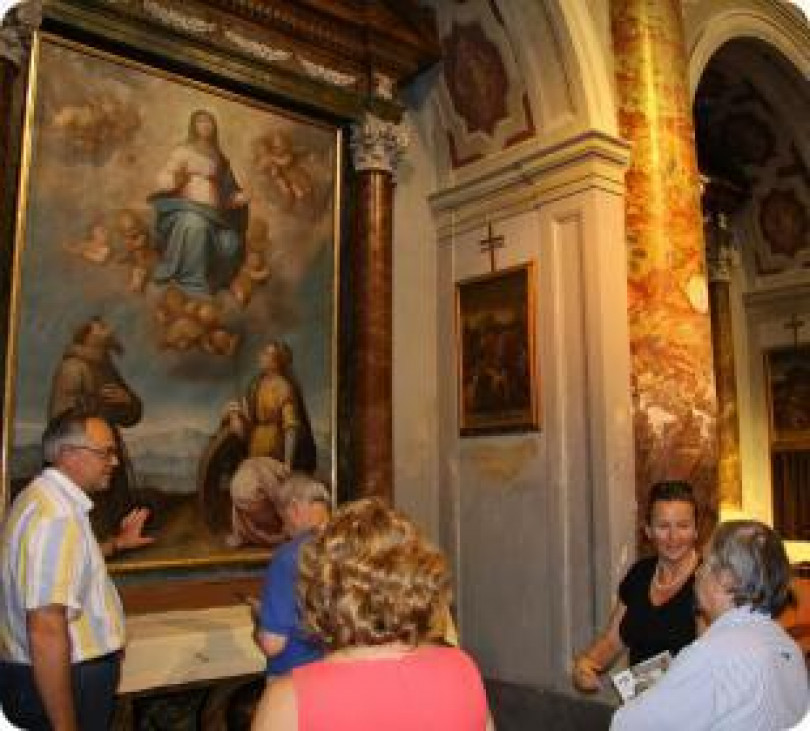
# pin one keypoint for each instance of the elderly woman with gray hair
(745, 673)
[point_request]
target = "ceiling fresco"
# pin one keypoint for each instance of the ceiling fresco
(486, 100)
(751, 128)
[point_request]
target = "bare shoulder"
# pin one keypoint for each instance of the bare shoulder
(278, 709)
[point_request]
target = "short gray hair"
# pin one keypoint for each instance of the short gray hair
(302, 487)
(67, 429)
(753, 556)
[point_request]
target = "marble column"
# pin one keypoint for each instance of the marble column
(376, 147)
(719, 260)
(668, 302)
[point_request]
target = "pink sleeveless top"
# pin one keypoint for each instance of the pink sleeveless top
(431, 689)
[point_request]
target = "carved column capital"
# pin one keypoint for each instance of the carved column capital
(17, 29)
(377, 144)
(719, 247)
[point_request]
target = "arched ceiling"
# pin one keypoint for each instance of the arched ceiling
(709, 25)
(517, 73)
(752, 119)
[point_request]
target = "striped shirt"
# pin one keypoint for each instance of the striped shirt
(744, 674)
(49, 555)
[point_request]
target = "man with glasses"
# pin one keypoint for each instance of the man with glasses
(61, 620)
(88, 378)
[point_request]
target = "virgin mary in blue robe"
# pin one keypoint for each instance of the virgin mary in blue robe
(201, 214)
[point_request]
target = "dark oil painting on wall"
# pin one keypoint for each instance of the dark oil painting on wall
(495, 331)
(176, 261)
(788, 382)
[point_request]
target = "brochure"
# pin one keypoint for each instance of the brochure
(637, 678)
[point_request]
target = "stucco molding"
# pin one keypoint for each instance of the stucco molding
(595, 80)
(342, 57)
(559, 65)
(784, 299)
(18, 29)
(591, 160)
(708, 26)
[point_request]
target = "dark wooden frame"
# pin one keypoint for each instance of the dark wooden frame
(777, 360)
(506, 299)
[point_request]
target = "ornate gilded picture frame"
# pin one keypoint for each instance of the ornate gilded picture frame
(497, 371)
(176, 269)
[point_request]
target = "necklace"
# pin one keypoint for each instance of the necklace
(677, 577)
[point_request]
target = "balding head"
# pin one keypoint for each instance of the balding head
(83, 448)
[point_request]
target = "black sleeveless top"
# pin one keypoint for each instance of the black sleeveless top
(646, 629)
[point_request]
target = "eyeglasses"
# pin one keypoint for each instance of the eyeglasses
(106, 453)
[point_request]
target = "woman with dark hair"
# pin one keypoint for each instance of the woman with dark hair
(745, 673)
(372, 589)
(655, 610)
(200, 213)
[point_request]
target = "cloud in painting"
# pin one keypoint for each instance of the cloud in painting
(93, 129)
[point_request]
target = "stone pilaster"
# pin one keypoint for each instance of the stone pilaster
(719, 259)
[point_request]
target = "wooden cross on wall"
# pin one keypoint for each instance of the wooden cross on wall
(795, 324)
(490, 244)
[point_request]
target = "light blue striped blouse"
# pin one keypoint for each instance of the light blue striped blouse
(744, 674)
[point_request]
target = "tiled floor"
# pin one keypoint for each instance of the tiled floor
(224, 706)
(519, 708)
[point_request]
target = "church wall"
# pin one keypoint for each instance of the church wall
(539, 526)
(415, 340)
(759, 325)
(768, 285)
(535, 510)
(531, 508)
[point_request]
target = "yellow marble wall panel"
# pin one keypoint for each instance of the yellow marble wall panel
(668, 304)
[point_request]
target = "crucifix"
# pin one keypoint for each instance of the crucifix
(795, 324)
(490, 243)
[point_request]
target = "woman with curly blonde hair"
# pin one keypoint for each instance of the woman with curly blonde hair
(373, 590)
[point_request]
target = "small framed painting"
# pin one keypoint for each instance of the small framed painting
(788, 383)
(497, 372)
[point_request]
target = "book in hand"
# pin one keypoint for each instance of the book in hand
(637, 678)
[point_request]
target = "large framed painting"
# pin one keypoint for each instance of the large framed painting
(788, 388)
(175, 271)
(495, 330)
